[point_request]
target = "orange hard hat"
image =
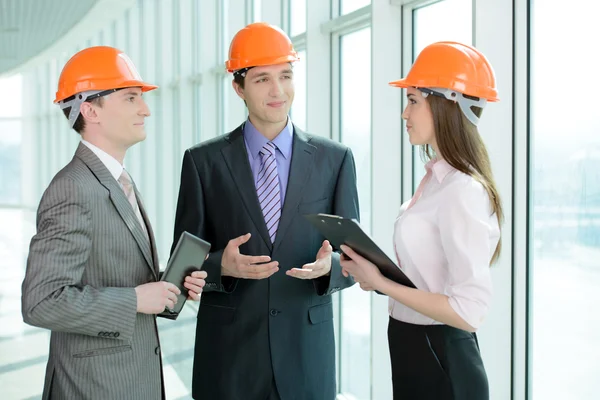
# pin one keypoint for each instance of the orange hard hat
(97, 69)
(454, 66)
(259, 44)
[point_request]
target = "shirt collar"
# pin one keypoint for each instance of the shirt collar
(439, 167)
(255, 140)
(114, 167)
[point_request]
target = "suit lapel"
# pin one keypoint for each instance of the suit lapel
(300, 169)
(236, 158)
(118, 198)
(150, 232)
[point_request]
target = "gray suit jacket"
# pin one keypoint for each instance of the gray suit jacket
(87, 256)
(253, 332)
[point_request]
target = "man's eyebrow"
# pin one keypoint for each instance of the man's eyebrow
(260, 75)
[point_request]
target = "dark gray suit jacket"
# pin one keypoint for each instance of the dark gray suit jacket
(87, 256)
(250, 332)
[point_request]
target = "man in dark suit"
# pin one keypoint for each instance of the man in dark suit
(92, 269)
(265, 324)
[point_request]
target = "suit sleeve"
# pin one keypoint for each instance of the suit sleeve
(191, 217)
(345, 204)
(53, 296)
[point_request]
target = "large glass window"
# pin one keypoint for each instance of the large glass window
(299, 107)
(197, 69)
(10, 140)
(564, 203)
(347, 6)
(355, 122)
(225, 81)
(430, 25)
(10, 101)
(297, 17)
(256, 10)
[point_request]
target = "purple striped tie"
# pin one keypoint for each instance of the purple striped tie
(267, 189)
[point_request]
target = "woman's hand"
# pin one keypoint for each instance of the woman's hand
(363, 271)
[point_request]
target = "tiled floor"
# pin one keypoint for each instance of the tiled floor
(24, 349)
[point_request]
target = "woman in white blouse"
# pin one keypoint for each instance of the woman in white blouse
(446, 236)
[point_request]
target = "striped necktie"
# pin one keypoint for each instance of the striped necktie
(267, 189)
(127, 186)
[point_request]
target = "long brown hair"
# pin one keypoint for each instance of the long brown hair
(460, 144)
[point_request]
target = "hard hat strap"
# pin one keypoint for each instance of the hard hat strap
(75, 103)
(464, 102)
(241, 72)
(77, 100)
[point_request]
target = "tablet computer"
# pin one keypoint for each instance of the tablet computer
(339, 231)
(188, 256)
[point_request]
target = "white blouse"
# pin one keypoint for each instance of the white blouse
(444, 242)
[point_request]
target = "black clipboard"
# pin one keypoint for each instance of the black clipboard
(339, 231)
(188, 256)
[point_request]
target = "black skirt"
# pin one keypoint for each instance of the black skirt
(435, 362)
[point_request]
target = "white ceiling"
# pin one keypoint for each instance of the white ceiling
(35, 31)
(28, 27)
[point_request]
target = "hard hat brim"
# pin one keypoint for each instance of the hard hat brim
(489, 95)
(146, 87)
(235, 65)
(401, 83)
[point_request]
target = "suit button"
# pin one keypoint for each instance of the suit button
(157, 350)
(273, 312)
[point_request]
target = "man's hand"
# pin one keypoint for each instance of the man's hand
(153, 298)
(321, 267)
(194, 284)
(247, 267)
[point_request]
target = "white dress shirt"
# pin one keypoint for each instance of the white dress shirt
(114, 167)
(444, 243)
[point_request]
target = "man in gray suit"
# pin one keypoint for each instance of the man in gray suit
(265, 325)
(92, 272)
